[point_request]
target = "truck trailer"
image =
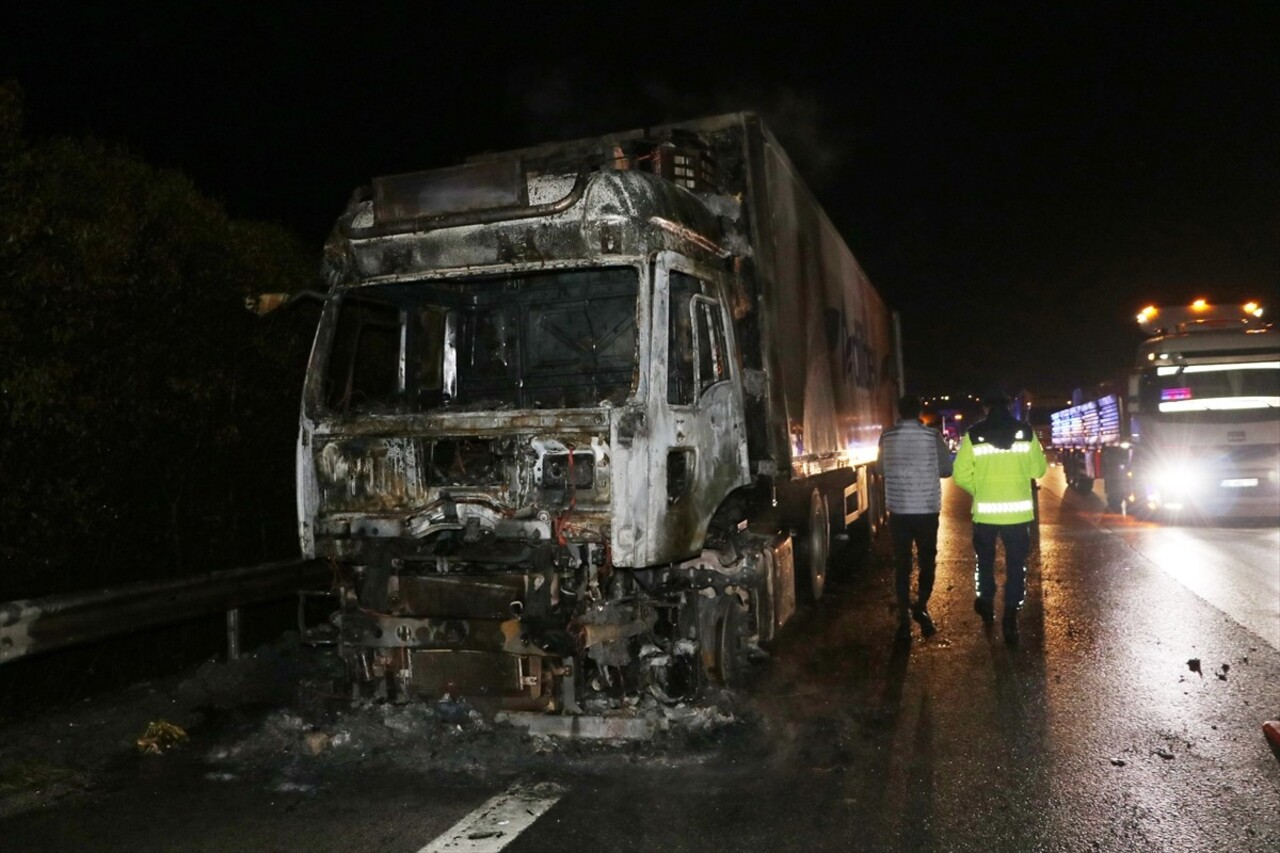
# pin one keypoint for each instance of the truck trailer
(582, 420)
(1195, 432)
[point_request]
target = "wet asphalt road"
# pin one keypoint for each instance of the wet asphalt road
(1093, 734)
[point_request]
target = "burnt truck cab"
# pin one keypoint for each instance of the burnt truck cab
(523, 442)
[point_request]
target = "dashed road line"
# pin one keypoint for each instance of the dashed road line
(498, 822)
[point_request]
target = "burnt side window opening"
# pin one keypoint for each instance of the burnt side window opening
(680, 377)
(697, 354)
(542, 340)
(713, 364)
(364, 360)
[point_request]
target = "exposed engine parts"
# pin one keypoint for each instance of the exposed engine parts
(576, 633)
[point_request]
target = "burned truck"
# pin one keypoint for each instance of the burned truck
(582, 420)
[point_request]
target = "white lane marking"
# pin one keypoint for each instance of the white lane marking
(496, 824)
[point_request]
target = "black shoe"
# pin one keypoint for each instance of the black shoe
(984, 609)
(1010, 626)
(924, 620)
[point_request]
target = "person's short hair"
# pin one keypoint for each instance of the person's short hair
(909, 407)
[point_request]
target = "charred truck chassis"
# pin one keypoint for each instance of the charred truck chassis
(578, 629)
(557, 431)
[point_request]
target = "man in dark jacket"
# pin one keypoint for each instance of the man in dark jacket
(914, 458)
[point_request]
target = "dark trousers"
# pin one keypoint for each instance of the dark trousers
(1017, 544)
(922, 530)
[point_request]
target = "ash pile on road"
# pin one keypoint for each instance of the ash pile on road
(275, 717)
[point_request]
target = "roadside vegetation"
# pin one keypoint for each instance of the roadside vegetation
(147, 420)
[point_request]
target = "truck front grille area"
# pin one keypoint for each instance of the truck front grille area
(1241, 482)
(465, 462)
(1249, 474)
(369, 474)
(389, 473)
(384, 473)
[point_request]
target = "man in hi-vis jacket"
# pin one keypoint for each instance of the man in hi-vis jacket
(996, 463)
(913, 458)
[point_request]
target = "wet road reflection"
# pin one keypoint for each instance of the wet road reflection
(1094, 733)
(1232, 564)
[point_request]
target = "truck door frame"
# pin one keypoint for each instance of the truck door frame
(706, 436)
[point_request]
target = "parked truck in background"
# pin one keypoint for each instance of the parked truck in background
(580, 419)
(1195, 430)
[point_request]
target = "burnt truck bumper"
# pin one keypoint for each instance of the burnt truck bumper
(460, 636)
(517, 679)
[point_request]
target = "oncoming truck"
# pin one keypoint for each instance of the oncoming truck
(581, 420)
(1198, 432)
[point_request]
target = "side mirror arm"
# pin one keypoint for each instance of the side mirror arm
(264, 303)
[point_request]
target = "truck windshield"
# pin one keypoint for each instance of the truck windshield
(1213, 387)
(563, 339)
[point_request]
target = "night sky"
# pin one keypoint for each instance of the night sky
(1017, 179)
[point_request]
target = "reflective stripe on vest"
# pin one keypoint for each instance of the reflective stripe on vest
(988, 449)
(1003, 507)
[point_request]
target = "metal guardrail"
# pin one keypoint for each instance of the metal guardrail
(37, 625)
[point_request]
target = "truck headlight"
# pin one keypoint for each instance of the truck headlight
(562, 470)
(1179, 479)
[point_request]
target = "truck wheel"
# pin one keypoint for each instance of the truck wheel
(1139, 511)
(730, 643)
(763, 595)
(817, 546)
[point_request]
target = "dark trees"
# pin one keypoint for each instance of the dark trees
(146, 419)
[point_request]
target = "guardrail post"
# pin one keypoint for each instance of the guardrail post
(233, 634)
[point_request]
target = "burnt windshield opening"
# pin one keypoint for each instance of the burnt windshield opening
(563, 339)
(1216, 386)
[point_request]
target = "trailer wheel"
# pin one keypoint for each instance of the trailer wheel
(817, 545)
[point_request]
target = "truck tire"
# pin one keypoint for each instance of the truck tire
(816, 547)
(762, 615)
(1139, 511)
(730, 644)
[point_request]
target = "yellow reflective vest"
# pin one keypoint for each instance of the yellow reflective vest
(997, 460)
